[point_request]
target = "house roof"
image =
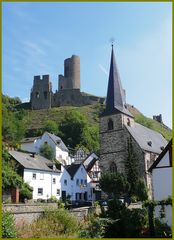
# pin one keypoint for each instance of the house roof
(28, 140)
(115, 100)
(147, 139)
(90, 161)
(166, 149)
(72, 169)
(58, 141)
(29, 162)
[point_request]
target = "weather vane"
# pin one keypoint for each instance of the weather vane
(112, 40)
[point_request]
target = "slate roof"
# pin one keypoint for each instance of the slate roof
(144, 136)
(58, 141)
(72, 169)
(27, 161)
(90, 161)
(167, 148)
(115, 100)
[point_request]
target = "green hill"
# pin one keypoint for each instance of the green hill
(36, 119)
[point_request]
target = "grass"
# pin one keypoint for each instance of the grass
(37, 118)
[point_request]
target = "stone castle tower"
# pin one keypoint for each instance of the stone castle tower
(68, 93)
(117, 126)
(41, 92)
(71, 78)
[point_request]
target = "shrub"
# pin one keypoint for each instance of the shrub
(25, 192)
(52, 199)
(8, 226)
(53, 223)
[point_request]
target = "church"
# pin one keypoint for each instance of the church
(117, 127)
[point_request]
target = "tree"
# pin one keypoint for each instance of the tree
(51, 126)
(131, 167)
(71, 128)
(141, 190)
(47, 151)
(114, 184)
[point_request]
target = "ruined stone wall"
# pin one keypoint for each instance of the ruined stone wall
(41, 92)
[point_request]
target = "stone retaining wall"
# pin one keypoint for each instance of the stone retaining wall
(27, 213)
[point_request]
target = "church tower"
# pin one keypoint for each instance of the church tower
(113, 135)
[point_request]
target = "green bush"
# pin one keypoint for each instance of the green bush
(25, 192)
(8, 226)
(95, 228)
(55, 223)
(52, 199)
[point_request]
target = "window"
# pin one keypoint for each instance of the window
(45, 142)
(110, 124)
(45, 94)
(34, 176)
(60, 156)
(40, 191)
(41, 176)
(77, 182)
(95, 174)
(81, 182)
(85, 182)
(128, 121)
(65, 182)
(58, 192)
(54, 181)
(113, 167)
(37, 94)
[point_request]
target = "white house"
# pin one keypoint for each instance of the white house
(47, 180)
(61, 152)
(78, 185)
(161, 171)
(40, 173)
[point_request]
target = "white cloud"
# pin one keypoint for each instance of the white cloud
(103, 69)
(33, 48)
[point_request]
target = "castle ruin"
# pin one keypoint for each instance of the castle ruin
(68, 93)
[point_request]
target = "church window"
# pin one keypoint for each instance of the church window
(37, 94)
(128, 121)
(45, 94)
(110, 124)
(113, 167)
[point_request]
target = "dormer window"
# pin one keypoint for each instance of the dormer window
(110, 124)
(149, 143)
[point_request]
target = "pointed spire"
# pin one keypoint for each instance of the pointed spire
(115, 101)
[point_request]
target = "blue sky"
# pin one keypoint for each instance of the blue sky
(37, 37)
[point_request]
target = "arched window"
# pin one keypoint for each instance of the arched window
(37, 94)
(128, 121)
(110, 124)
(113, 167)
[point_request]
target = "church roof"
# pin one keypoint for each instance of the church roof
(147, 139)
(115, 100)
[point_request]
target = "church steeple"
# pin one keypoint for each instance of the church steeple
(115, 101)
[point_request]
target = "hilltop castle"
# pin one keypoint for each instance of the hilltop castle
(68, 92)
